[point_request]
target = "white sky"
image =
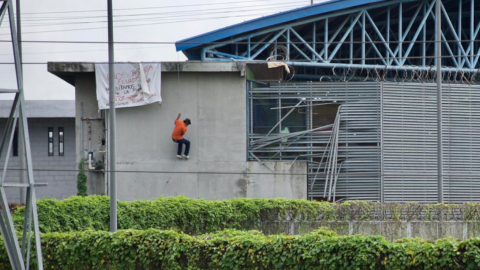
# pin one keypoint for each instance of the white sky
(168, 21)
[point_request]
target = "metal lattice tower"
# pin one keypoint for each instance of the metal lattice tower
(18, 255)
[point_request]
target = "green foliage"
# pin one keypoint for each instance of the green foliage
(197, 216)
(230, 249)
(178, 213)
(81, 179)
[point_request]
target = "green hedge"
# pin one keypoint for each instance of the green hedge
(154, 249)
(179, 213)
(196, 216)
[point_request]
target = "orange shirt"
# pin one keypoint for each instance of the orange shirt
(179, 130)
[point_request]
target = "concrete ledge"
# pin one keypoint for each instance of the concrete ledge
(67, 71)
(59, 68)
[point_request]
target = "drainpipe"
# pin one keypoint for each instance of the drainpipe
(90, 154)
(438, 39)
(82, 150)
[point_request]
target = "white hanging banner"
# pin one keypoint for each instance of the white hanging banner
(136, 84)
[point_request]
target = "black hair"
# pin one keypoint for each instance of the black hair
(187, 121)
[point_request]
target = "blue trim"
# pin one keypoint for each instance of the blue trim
(271, 20)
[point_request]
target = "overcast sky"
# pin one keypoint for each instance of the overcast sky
(139, 21)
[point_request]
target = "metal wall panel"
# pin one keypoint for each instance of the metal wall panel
(410, 142)
(461, 143)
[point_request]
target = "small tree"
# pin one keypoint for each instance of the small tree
(81, 179)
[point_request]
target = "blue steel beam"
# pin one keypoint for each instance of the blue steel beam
(306, 44)
(361, 26)
(452, 28)
(417, 33)
(407, 31)
(258, 32)
(350, 28)
(375, 48)
(276, 19)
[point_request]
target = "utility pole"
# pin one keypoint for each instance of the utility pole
(311, 2)
(20, 137)
(438, 56)
(111, 122)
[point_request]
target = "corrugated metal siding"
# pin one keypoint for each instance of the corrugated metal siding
(410, 142)
(461, 143)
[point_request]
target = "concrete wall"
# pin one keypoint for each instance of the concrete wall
(289, 182)
(57, 171)
(217, 169)
(90, 129)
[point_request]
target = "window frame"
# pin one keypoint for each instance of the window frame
(50, 145)
(61, 141)
(15, 143)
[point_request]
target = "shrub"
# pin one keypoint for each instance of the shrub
(154, 249)
(81, 179)
(178, 213)
(198, 216)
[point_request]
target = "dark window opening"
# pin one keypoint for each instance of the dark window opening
(264, 118)
(50, 141)
(61, 142)
(323, 115)
(15, 143)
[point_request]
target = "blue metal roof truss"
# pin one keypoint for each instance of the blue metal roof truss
(396, 34)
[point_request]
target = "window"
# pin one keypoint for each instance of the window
(294, 120)
(264, 119)
(50, 141)
(323, 115)
(61, 141)
(15, 143)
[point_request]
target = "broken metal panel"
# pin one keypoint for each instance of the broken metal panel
(351, 162)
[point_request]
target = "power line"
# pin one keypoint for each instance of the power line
(99, 50)
(230, 43)
(169, 14)
(380, 66)
(164, 18)
(196, 11)
(249, 173)
(166, 43)
(134, 25)
(160, 44)
(147, 8)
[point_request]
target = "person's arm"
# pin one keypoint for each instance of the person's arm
(178, 117)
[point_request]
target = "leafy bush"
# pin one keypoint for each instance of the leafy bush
(178, 213)
(197, 216)
(81, 179)
(229, 249)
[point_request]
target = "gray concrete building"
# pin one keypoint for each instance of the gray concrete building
(364, 108)
(213, 96)
(51, 125)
